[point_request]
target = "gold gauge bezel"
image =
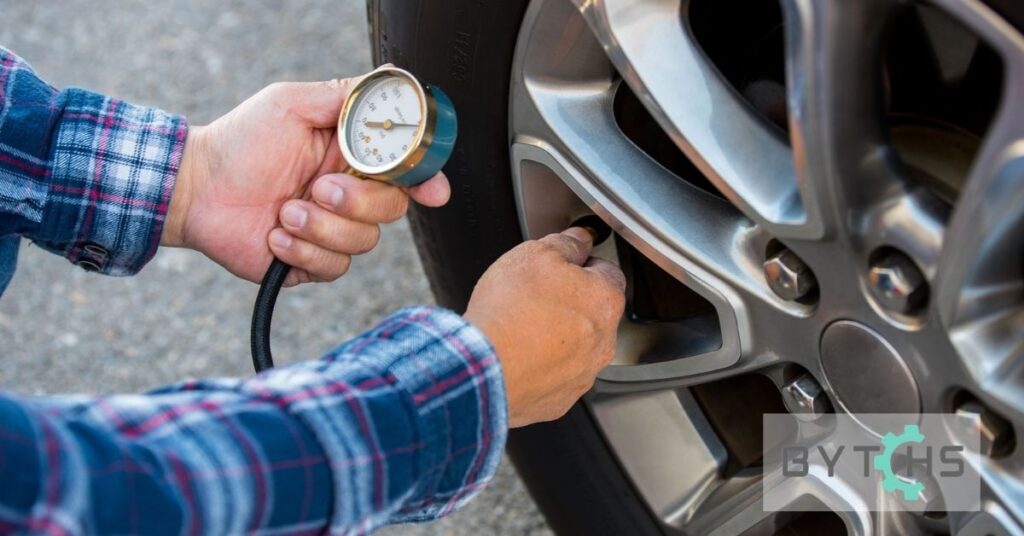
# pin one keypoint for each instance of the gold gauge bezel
(424, 137)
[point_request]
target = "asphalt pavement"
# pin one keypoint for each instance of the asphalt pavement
(64, 330)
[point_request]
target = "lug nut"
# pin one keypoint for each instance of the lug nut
(897, 283)
(805, 398)
(788, 276)
(929, 500)
(995, 433)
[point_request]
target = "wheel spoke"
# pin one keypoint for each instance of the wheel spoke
(676, 434)
(737, 506)
(980, 284)
(998, 487)
(703, 261)
(570, 157)
(836, 103)
(745, 157)
(679, 467)
(692, 236)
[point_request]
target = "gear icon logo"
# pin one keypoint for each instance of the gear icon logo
(883, 462)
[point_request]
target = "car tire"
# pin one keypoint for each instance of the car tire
(466, 47)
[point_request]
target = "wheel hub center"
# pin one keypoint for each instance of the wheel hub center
(865, 372)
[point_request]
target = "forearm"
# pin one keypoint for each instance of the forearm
(403, 423)
(85, 176)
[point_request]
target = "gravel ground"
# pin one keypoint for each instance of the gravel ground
(64, 330)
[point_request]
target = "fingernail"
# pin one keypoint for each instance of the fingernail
(330, 193)
(294, 216)
(597, 228)
(583, 234)
(281, 239)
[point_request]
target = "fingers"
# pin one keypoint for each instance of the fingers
(608, 271)
(318, 237)
(610, 293)
(362, 200)
(319, 263)
(435, 192)
(376, 202)
(573, 244)
(326, 229)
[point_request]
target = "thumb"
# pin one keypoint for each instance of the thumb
(573, 244)
(318, 103)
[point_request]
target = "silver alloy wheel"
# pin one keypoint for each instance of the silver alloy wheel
(833, 192)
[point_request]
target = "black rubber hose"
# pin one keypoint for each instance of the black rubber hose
(263, 313)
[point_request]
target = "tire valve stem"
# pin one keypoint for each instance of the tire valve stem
(596, 226)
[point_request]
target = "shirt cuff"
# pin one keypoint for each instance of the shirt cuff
(114, 166)
(453, 384)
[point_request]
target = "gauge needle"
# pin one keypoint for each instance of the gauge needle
(388, 124)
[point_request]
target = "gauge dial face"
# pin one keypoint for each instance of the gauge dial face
(385, 123)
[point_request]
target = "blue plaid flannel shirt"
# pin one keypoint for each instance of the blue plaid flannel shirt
(404, 423)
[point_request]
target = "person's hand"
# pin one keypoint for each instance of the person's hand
(551, 312)
(264, 179)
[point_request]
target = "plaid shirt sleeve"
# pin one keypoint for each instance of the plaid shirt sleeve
(405, 423)
(83, 175)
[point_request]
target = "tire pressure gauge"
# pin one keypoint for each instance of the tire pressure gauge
(391, 128)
